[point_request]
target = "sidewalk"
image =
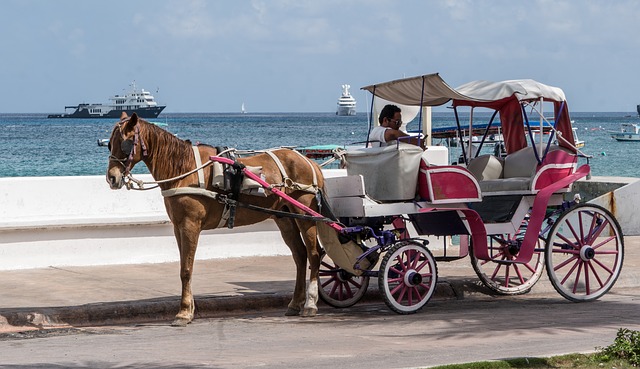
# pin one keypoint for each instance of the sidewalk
(126, 294)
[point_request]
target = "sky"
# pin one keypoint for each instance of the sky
(294, 55)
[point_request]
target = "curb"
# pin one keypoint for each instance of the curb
(164, 309)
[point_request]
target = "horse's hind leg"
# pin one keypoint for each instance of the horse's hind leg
(291, 236)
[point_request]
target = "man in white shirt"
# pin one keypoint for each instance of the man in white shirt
(389, 129)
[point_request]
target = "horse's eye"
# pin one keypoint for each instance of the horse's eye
(126, 146)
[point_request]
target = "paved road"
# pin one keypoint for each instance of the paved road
(478, 327)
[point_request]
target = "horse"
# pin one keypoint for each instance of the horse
(169, 158)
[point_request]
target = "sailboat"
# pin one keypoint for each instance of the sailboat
(242, 109)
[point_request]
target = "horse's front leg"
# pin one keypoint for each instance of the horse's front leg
(309, 236)
(187, 238)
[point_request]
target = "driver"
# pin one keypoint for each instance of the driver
(389, 129)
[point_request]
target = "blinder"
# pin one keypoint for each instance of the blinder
(126, 147)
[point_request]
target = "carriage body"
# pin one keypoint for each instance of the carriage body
(511, 215)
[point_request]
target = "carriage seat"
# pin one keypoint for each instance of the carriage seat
(441, 184)
(519, 171)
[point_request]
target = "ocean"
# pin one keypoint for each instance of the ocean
(32, 145)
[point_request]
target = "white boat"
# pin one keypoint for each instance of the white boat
(242, 109)
(628, 132)
(346, 102)
(136, 101)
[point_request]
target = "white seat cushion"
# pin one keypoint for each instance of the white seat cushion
(486, 167)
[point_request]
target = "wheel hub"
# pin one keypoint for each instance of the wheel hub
(412, 278)
(513, 247)
(587, 252)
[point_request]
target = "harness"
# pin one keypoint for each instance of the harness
(229, 181)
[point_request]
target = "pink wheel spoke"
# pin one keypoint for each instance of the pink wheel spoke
(422, 265)
(506, 277)
(580, 222)
(609, 270)
(570, 270)
(575, 235)
(596, 234)
(587, 281)
(401, 263)
(595, 274)
(417, 291)
(605, 241)
(575, 282)
(415, 259)
(329, 281)
(334, 289)
(531, 268)
(575, 245)
(557, 250)
(495, 272)
(518, 273)
(401, 289)
(562, 265)
(354, 283)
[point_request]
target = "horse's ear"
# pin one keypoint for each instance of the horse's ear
(123, 115)
(130, 123)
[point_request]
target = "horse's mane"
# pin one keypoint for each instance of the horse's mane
(171, 156)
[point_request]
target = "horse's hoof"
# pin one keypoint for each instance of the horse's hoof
(292, 312)
(180, 322)
(309, 312)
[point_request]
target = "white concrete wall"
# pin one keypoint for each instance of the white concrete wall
(58, 221)
(623, 203)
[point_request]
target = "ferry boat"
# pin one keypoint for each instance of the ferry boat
(136, 101)
(346, 102)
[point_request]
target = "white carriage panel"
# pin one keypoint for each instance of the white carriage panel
(436, 155)
(500, 228)
(349, 186)
(397, 208)
(347, 206)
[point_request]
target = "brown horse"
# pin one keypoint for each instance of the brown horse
(168, 157)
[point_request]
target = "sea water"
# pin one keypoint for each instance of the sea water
(34, 145)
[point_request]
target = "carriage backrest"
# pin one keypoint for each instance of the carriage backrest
(390, 172)
(521, 163)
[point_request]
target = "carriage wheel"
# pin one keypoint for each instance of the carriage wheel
(407, 277)
(584, 253)
(337, 287)
(509, 279)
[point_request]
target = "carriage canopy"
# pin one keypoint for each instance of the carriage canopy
(509, 98)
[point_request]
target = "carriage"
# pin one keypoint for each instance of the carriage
(400, 209)
(511, 215)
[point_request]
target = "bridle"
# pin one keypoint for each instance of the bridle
(128, 147)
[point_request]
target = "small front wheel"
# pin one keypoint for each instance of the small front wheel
(407, 277)
(339, 288)
(584, 253)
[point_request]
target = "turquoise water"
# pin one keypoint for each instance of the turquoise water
(33, 145)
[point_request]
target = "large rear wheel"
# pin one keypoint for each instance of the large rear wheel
(503, 277)
(407, 277)
(584, 253)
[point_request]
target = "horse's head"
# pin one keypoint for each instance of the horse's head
(126, 149)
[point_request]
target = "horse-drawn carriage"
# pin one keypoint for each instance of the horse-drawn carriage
(511, 215)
